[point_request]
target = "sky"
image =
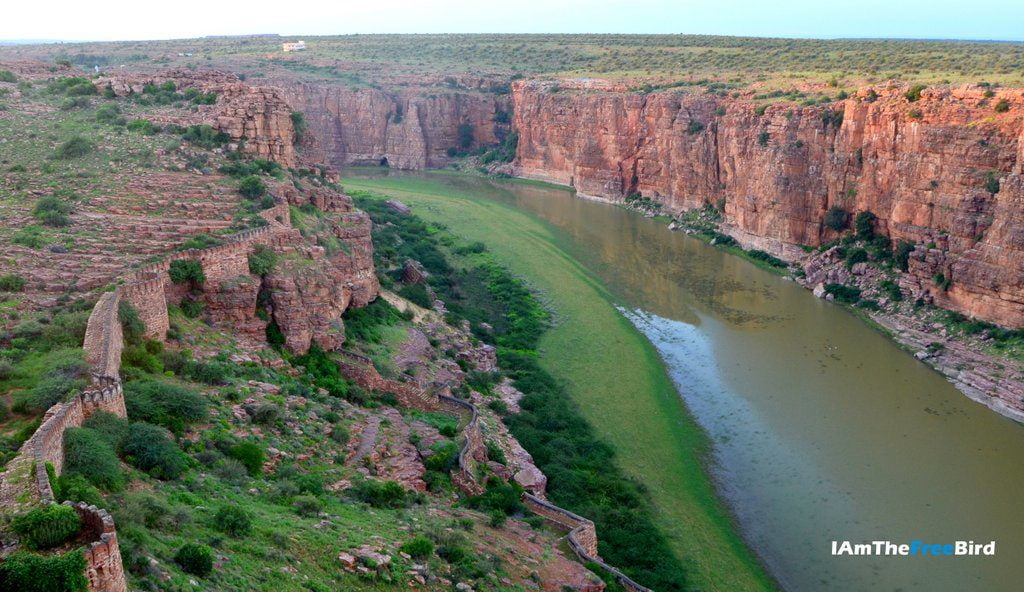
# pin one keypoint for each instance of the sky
(175, 19)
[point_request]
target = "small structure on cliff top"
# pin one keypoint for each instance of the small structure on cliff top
(296, 46)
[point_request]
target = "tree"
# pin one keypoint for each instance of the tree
(837, 218)
(252, 187)
(465, 135)
(186, 270)
(864, 225)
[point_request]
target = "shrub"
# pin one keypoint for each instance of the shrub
(52, 211)
(48, 527)
(12, 282)
(340, 434)
(7, 76)
(110, 114)
(262, 260)
(149, 448)
(386, 494)
(163, 404)
(854, 256)
(111, 427)
(694, 127)
(76, 147)
(187, 270)
(420, 547)
(267, 414)
(30, 236)
(89, 454)
(307, 505)
(76, 488)
(71, 103)
(495, 453)
(252, 187)
(837, 218)
(298, 125)
(65, 375)
(992, 182)
(28, 572)
(131, 325)
(841, 293)
(205, 136)
(191, 307)
(195, 559)
(914, 93)
(864, 226)
(143, 126)
(1002, 106)
(465, 135)
(762, 138)
(902, 255)
(250, 455)
(232, 521)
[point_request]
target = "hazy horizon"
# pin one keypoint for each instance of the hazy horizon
(118, 20)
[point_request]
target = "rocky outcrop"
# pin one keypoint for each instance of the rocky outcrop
(403, 129)
(945, 169)
(257, 118)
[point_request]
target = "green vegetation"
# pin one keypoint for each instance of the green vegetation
(89, 453)
(195, 559)
(75, 147)
(252, 187)
(262, 260)
(12, 282)
(842, 293)
(28, 572)
(914, 94)
(837, 218)
(52, 211)
(204, 136)
(187, 270)
(575, 364)
(7, 76)
(47, 527)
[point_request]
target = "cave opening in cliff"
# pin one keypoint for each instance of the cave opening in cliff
(384, 162)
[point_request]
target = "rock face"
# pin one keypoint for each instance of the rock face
(945, 172)
(405, 130)
(256, 117)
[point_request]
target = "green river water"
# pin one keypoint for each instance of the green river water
(822, 428)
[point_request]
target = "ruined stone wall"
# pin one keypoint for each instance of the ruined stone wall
(103, 566)
(360, 370)
(473, 448)
(582, 537)
(25, 482)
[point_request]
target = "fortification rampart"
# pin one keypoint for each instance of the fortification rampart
(26, 481)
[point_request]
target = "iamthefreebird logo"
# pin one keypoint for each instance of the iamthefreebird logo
(914, 549)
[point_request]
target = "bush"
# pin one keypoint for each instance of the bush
(250, 455)
(52, 211)
(841, 293)
(763, 137)
(694, 127)
(299, 126)
(48, 527)
(232, 521)
(12, 282)
(131, 325)
(30, 236)
(864, 226)
(205, 136)
(187, 270)
(1002, 106)
(148, 448)
(465, 135)
(914, 93)
(420, 547)
(252, 187)
(65, 376)
(267, 414)
(386, 494)
(110, 114)
(76, 147)
(28, 572)
(992, 182)
(307, 505)
(76, 488)
(854, 256)
(837, 218)
(143, 126)
(262, 260)
(71, 103)
(7, 76)
(112, 428)
(89, 454)
(164, 404)
(195, 559)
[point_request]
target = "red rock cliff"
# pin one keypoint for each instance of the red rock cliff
(923, 168)
(406, 130)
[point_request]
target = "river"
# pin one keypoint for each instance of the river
(823, 429)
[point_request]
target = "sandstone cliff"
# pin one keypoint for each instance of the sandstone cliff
(944, 172)
(405, 130)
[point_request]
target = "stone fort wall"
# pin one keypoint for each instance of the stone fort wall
(26, 483)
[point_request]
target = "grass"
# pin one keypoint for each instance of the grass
(659, 60)
(612, 372)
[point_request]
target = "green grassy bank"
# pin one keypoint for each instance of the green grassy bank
(611, 371)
